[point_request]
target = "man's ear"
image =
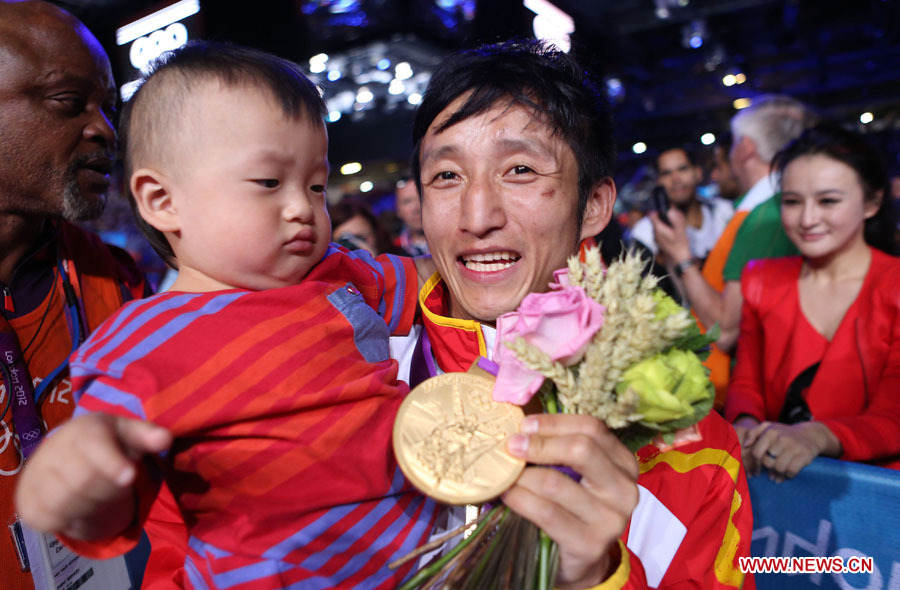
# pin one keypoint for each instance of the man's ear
(154, 201)
(599, 208)
(745, 148)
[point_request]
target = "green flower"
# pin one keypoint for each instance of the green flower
(665, 305)
(668, 385)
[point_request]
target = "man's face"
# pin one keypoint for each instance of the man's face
(499, 207)
(56, 100)
(409, 209)
(723, 176)
(678, 176)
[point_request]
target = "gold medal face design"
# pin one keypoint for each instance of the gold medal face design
(450, 439)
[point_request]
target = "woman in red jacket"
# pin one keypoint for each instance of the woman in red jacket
(818, 362)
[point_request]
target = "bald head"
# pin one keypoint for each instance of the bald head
(56, 99)
(30, 29)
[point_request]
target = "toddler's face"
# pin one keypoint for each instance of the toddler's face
(251, 198)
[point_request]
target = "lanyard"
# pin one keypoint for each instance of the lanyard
(74, 322)
(24, 397)
(18, 386)
(421, 366)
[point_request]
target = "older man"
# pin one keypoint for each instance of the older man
(56, 151)
(513, 154)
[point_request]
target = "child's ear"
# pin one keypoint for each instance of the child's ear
(154, 201)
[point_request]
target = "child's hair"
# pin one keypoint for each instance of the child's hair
(153, 117)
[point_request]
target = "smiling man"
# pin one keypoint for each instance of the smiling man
(57, 146)
(514, 156)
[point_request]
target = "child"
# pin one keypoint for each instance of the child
(267, 360)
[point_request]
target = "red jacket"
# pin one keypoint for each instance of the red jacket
(855, 390)
(694, 518)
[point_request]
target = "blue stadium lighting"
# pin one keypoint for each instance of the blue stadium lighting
(334, 75)
(383, 64)
(342, 6)
(696, 41)
(614, 87)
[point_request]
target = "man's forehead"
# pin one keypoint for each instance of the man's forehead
(502, 106)
(47, 43)
(673, 158)
(520, 128)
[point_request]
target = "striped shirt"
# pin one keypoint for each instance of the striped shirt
(282, 404)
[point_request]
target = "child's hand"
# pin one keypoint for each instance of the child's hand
(79, 482)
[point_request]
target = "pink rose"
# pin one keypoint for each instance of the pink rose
(560, 278)
(560, 322)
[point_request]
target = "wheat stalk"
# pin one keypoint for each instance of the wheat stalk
(537, 360)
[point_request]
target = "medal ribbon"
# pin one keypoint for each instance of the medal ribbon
(421, 366)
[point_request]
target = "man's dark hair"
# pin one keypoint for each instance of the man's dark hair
(687, 151)
(533, 75)
(154, 114)
(724, 139)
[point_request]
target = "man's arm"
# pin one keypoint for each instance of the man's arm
(710, 306)
(730, 320)
(695, 521)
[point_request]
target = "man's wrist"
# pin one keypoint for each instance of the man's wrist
(681, 267)
(617, 570)
(602, 570)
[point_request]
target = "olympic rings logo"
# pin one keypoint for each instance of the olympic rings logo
(31, 435)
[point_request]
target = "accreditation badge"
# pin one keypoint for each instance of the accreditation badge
(54, 567)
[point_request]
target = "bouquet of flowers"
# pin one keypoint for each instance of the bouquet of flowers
(604, 342)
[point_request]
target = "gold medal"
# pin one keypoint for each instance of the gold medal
(450, 439)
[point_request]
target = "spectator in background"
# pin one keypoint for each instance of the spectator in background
(722, 174)
(355, 226)
(59, 282)
(409, 209)
(678, 173)
(895, 199)
(754, 231)
(818, 367)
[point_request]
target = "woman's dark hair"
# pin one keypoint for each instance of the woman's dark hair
(853, 150)
(533, 75)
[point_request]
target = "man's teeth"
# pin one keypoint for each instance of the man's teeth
(490, 262)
